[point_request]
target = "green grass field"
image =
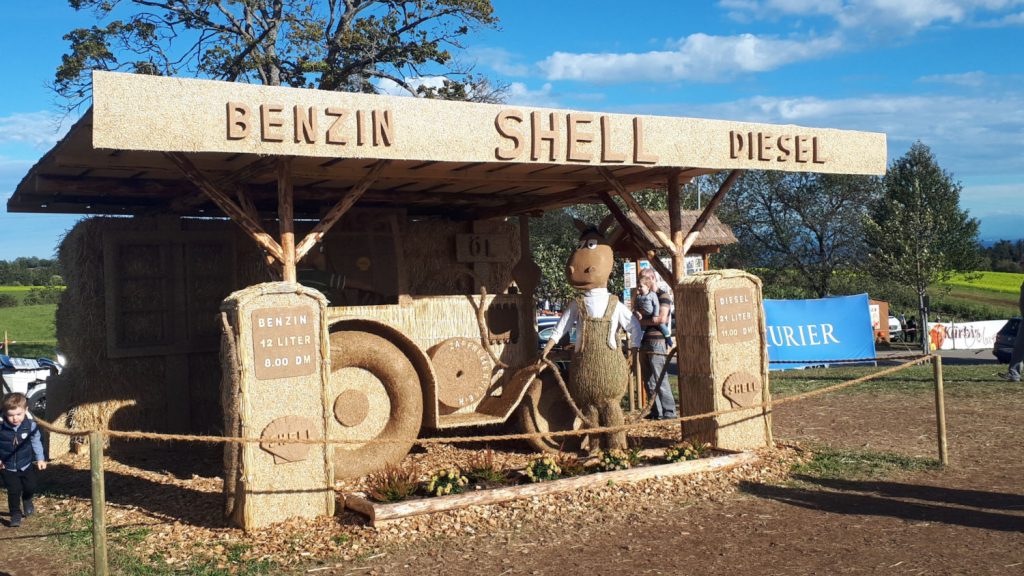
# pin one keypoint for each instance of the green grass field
(1004, 282)
(31, 329)
(960, 380)
(988, 296)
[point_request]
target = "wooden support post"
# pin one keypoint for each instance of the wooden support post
(709, 211)
(99, 522)
(286, 218)
(940, 409)
(635, 206)
(634, 232)
(675, 224)
(338, 210)
(225, 203)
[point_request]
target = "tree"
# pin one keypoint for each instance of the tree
(801, 226)
(1005, 256)
(917, 235)
(343, 45)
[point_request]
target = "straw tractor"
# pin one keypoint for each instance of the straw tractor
(432, 325)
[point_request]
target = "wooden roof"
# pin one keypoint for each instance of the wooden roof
(148, 141)
(714, 235)
(75, 178)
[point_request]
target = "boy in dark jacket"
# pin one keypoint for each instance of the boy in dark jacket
(20, 446)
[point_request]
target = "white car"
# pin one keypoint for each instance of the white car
(894, 326)
(28, 376)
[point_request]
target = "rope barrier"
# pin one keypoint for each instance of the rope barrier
(135, 435)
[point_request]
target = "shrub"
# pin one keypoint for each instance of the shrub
(543, 468)
(686, 451)
(45, 295)
(447, 481)
(613, 460)
(392, 484)
(8, 301)
(484, 470)
(570, 464)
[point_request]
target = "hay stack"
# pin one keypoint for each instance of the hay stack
(106, 383)
(712, 357)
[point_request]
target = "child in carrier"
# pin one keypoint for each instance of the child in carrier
(647, 305)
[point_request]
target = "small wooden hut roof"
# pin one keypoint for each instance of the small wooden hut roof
(157, 145)
(713, 236)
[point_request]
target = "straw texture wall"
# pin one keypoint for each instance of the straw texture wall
(711, 353)
(431, 264)
(167, 388)
(266, 490)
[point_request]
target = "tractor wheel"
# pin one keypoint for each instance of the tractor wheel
(544, 409)
(375, 395)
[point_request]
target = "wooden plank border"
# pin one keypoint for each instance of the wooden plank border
(378, 513)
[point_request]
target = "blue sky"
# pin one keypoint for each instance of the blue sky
(946, 72)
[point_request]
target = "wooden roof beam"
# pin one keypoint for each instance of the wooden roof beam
(252, 227)
(637, 209)
(254, 169)
(338, 210)
(586, 192)
(709, 211)
(638, 239)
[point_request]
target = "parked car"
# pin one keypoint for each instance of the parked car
(895, 328)
(28, 376)
(1005, 338)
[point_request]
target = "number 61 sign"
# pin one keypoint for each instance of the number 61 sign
(482, 248)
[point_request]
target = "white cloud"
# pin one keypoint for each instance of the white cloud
(520, 94)
(970, 135)
(973, 79)
(698, 57)
(500, 60)
(41, 130)
(1007, 20)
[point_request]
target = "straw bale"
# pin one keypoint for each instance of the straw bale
(170, 392)
(708, 360)
(431, 265)
(265, 489)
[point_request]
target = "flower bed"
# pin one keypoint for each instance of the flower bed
(378, 512)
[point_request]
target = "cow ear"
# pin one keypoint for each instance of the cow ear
(606, 224)
(580, 225)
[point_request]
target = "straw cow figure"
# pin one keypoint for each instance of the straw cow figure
(599, 371)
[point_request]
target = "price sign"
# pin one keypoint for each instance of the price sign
(285, 342)
(736, 320)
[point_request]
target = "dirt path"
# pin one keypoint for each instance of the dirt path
(966, 519)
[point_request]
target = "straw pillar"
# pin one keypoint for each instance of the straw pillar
(721, 336)
(283, 367)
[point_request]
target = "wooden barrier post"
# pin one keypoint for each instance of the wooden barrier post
(940, 409)
(99, 522)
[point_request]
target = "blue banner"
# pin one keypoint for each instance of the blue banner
(818, 330)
